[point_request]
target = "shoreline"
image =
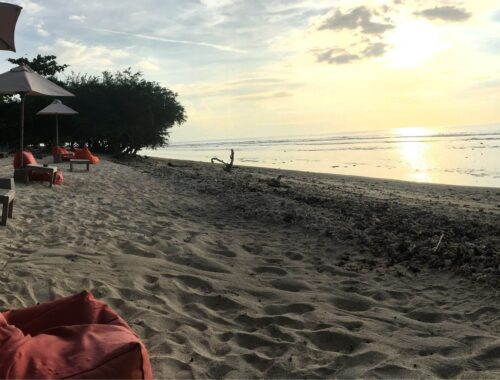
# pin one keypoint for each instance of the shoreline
(339, 176)
(346, 176)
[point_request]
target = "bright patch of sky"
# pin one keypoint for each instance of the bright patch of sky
(246, 68)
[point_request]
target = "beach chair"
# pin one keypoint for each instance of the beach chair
(35, 172)
(76, 337)
(7, 195)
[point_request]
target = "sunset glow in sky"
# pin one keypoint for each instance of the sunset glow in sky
(253, 68)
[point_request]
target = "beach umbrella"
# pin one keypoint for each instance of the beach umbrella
(9, 14)
(57, 108)
(24, 81)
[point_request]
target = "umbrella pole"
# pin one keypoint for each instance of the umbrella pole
(23, 96)
(57, 131)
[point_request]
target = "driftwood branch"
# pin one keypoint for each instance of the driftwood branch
(227, 166)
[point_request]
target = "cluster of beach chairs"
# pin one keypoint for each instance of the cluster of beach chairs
(26, 169)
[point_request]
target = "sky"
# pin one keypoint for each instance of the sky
(257, 68)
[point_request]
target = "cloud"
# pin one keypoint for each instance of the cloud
(40, 29)
(80, 56)
(342, 56)
(376, 49)
(496, 16)
(337, 56)
(216, 3)
(148, 64)
(30, 6)
(175, 41)
(360, 17)
(78, 18)
(264, 96)
(373, 23)
(445, 13)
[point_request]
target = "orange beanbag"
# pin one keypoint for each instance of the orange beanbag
(73, 337)
(58, 178)
(65, 154)
(28, 158)
(85, 154)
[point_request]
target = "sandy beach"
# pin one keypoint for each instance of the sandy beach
(262, 273)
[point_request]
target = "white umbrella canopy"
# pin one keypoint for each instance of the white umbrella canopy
(9, 13)
(57, 108)
(24, 81)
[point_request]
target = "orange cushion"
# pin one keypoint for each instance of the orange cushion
(38, 176)
(28, 158)
(85, 154)
(73, 337)
(60, 151)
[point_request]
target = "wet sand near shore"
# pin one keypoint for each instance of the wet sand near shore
(248, 274)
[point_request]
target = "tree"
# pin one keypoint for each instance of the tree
(119, 113)
(45, 65)
(122, 112)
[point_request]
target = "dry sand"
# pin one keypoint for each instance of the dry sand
(243, 275)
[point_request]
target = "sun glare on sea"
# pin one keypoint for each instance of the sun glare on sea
(413, 42)
(413, 131)
(414, 152)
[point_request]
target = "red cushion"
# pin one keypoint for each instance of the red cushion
(65, 154)
(38, 176)
(85, 154)
(28, 158)
(76, 336)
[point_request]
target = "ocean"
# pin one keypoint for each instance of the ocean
(468, 156)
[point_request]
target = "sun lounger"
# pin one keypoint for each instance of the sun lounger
(33, 171)
(7, 195)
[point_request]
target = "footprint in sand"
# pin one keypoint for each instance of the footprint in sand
(254, 323)
(294, 256)
(224, 252)
(392, 371)
(295, 308)
(195, 283)
(289, 285)
(353, 303)
(425, 316)
(336, 341)
(271, 270)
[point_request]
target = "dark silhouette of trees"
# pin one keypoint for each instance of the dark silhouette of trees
(119, 113)
(45, 65)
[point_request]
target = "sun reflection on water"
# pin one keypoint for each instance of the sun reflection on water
(415, 152)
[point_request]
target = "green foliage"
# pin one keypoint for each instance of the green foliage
(45, 65)
(119, 113)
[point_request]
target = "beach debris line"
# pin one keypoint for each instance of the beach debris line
(227, 166)
(274, 182)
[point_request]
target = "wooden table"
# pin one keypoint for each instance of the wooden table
(43, 169)
(77, 161)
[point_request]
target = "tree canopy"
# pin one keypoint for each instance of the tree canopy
(119, 113)
(45, 65)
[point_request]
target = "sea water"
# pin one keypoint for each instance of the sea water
(467, 156)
